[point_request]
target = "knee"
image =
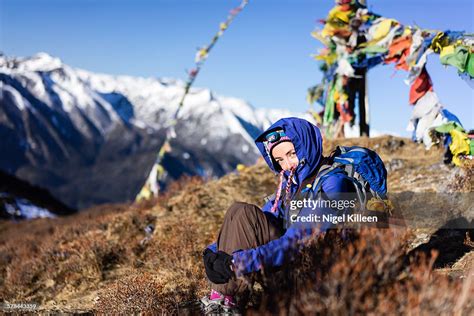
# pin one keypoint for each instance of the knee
(244, 207)
(244, 210)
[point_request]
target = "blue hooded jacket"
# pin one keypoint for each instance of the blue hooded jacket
(307, 140)
(308, 143)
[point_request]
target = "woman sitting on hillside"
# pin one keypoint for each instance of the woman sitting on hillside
(252, 238)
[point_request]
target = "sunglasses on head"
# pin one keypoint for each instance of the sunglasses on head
(274, 136)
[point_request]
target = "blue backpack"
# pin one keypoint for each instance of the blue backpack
(364, 168)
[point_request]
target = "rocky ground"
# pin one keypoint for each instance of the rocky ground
(147, 257)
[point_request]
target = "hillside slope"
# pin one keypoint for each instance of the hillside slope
(147, 257)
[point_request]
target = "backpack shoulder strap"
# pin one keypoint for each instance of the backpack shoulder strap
(347, 168)
(328, 166)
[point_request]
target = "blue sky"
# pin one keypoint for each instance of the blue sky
(264, 57)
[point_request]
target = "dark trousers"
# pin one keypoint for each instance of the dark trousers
(356, 87)
(245, 226)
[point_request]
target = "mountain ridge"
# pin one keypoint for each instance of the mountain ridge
(92, 138)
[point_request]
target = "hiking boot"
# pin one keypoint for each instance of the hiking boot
(218, 304)
(211, 306)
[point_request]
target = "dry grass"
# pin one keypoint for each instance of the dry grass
(131, 295)
(368, 275)
(102, 260)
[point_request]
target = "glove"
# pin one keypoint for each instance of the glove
(217, 266)
(223, 264)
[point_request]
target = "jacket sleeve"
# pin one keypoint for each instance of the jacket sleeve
(267, 207)
(274, 253)
(212, 247)
(278, 251)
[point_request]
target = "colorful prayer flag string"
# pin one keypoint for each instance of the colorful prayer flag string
(355, 40)
(151, 187)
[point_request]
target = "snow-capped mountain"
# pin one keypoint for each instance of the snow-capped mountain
(92, 138)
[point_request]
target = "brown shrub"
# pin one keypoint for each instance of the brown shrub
(368, 275)
(76, 253)
(105, 249)
(131, 295)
